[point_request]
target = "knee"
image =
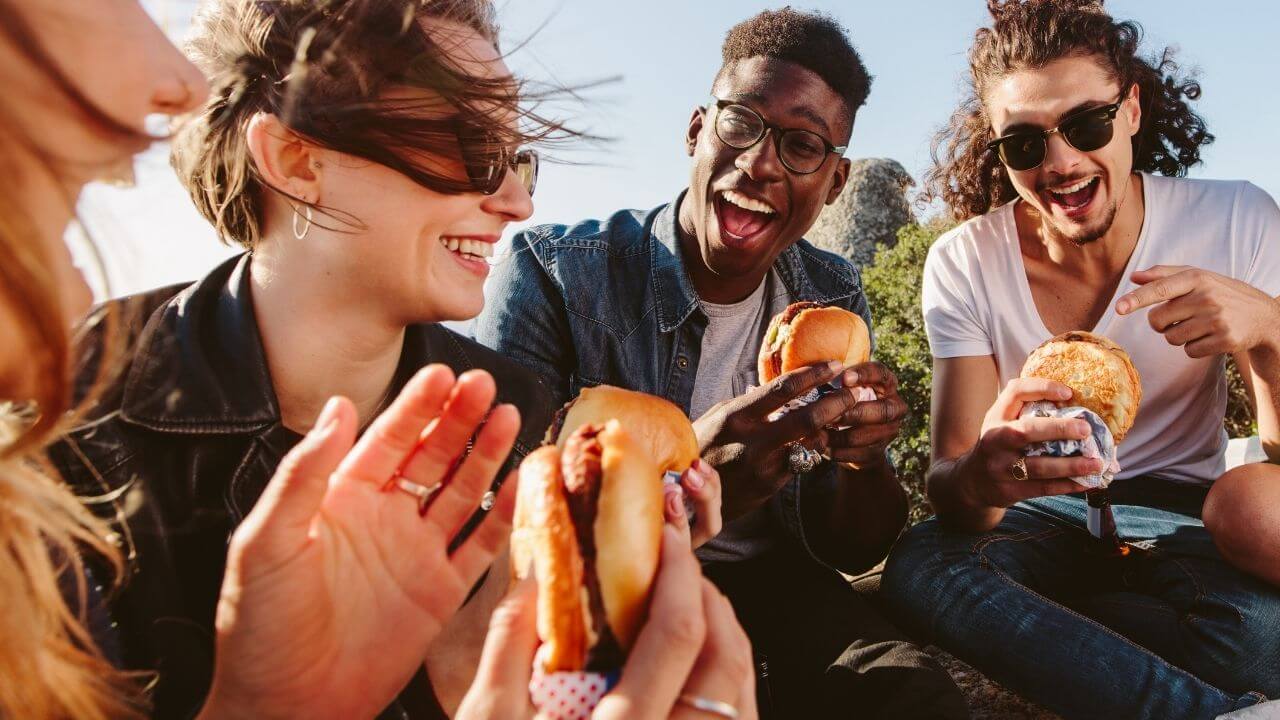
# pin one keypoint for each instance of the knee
(1242, 514)
(921, 565)
(1243, 656)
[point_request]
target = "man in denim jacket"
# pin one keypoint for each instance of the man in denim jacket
(675, 302)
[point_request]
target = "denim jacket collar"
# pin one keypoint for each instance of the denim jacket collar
(806, 275)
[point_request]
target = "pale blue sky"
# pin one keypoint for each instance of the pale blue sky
(667, 52)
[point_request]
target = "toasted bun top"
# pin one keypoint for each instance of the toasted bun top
(658, 425)
(1099, 372)
(543, 541)
(628, 530)
(814, 336)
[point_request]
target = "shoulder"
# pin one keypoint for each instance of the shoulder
(623, 233)
(517, 384)
(1196, 195)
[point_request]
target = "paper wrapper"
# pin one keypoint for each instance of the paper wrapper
(567, 695)
(863, 394)
(1099, 444)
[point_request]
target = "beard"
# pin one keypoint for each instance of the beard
(1081, 236)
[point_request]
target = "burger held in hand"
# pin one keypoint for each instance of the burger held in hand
(1105, 392)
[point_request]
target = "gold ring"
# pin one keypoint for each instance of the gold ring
(1019, 469)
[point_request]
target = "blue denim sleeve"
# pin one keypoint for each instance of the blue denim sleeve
(524, 316)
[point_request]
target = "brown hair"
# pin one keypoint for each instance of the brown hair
(971, 181)
(322, 72)
(49, 665)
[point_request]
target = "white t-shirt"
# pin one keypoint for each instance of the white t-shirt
(977, 302)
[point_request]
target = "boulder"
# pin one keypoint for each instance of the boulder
(868, 212)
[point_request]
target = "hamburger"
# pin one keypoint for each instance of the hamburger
(656, 424)
(588, 524)
(1099, 372)
(807, 333)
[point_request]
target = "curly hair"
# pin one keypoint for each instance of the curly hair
(812, 40)
(971, 181)
(322, 68)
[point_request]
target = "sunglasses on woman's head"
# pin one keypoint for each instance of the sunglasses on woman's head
(1085, 131)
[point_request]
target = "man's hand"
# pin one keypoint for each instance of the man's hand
(871, 425)
(751, 451)
(1204, 312)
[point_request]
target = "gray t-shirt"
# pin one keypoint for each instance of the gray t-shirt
(727, 369)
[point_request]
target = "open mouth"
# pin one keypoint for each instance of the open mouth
(472, 254)
(742, 218)
(1076, 197)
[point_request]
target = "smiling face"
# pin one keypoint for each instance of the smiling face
(1077, 194)
(744, 207)
(410, 254)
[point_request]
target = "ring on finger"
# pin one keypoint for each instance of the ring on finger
(709, 706)
(801, 459)
(1019, 469)
(423, 493)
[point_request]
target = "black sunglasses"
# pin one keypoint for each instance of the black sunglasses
(801, 151)
(487, 168)
(1085, 131)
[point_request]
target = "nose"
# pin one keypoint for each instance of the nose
(760, 161)
(1059, 157)
(512, 202)
(177, 86)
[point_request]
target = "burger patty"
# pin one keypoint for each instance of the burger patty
(580, 466)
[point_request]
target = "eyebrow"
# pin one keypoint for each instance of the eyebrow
(798, 111)
(1085, 106)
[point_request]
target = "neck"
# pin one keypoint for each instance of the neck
(1108, 254)
(707, 283)
(319, 342)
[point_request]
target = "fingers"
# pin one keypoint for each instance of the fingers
(500, 689)
(668, 643)
(460, 496)
(701, 484)
(1057, 468)
(477, 552)
(295, 492)
(1163, 318)
(861, 437)
(443, 442)
(887, 410)
(1021, 391)
(1015, 436)
(724, 671)
(1188, 331)
(873, 375)
(1160, 284)
(395, 433)
(810, 420)
(788, 387)
(1016, 492)
(673, 510)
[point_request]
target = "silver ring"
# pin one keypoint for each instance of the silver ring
(707, 705)
(802, 459)
(422, 492)
(487, 502)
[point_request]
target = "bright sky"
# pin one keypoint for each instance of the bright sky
(666, 53)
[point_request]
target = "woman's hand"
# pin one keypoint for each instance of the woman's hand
(701, 485)
(335, 585)
(691, 646)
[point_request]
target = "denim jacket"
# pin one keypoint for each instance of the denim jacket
(609, 302)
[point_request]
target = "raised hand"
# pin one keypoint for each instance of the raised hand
(869, 427)
(1203, 312)
(335, 585)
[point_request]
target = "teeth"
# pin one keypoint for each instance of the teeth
(1067, 190)
(475, 249)
(747, 203)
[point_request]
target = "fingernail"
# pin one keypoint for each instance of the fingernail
(699, 464)
(1122, 307)
(1082, 429)
(850, 378)
(675, 503)
(696, 481)
(835, 366)
(328, 417)
(1065, 393)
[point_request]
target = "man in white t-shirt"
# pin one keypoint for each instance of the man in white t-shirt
(1069, 228)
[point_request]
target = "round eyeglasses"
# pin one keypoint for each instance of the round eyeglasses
(801, 151)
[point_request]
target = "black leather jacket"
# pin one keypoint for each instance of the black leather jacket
(182, 443)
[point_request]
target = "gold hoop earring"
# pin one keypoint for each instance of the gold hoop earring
(306, 212)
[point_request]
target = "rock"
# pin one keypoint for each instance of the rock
(872, 207)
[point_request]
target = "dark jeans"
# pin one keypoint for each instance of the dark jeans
(1170, 631)
(828, 651)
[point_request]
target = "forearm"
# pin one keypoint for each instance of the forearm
(948, 486)
(854, 528)
(1264, 362)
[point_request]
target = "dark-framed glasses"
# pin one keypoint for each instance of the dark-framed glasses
(487, 163)
(1085, 131)
(801, 151)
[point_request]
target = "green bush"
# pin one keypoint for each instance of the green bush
(892, 284)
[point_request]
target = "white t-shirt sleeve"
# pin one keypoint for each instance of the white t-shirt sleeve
(951, 314)
(1257, 223)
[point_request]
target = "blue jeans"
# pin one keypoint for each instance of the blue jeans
(1039, 605)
